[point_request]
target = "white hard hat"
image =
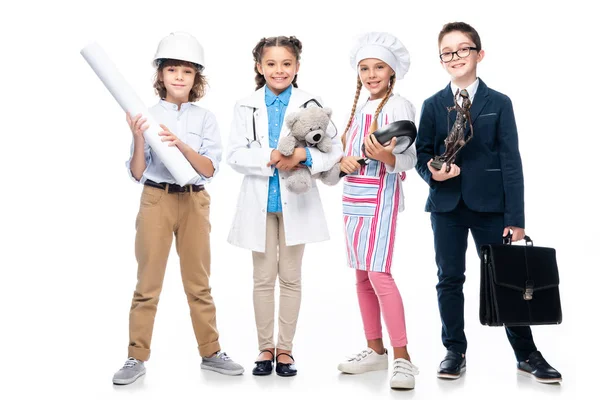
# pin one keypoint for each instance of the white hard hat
(180, 46)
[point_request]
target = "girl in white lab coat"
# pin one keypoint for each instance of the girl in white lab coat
(271, 221)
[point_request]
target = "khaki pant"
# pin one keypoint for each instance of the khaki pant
(161, 215)
(285, 261)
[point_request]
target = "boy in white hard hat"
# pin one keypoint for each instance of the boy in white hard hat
(167, 208)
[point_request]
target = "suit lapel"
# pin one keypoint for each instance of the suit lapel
(447, 97)
(481, 98)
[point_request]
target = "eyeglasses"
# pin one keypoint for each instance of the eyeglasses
(460, 53)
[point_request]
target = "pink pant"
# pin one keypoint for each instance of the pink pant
(378, 293)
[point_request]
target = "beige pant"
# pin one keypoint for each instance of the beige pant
(161, 215)
(285, 261)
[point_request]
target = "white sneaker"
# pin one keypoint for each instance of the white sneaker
(365, 361)
(404, 373)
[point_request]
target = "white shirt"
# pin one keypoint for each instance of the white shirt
(195, 126)
(471, 89)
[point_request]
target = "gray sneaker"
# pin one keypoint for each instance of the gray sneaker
(222, 363)
(132, 370)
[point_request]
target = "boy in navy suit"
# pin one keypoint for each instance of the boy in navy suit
(481, 192)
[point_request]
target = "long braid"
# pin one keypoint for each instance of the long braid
(297, 46)
(356, 96)
(374, 125)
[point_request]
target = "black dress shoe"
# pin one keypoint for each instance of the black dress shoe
(285, 369)
(452, 366)
(539, 368)
(264, 367)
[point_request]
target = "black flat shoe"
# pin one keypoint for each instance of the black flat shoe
(452, 366)
(285, 369)
(264, 367)
(537, 367)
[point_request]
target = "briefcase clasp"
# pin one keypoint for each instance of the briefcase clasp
(528, 295)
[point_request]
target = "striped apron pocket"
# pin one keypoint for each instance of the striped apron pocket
(360, 196)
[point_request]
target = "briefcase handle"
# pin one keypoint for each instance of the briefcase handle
(508, 240)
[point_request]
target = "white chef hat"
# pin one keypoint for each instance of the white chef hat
(383, 46)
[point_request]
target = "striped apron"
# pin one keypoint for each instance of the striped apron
(371, 198)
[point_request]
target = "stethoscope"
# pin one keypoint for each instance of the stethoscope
(255, 142)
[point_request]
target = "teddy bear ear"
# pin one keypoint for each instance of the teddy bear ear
(291, 119)
(327, 111)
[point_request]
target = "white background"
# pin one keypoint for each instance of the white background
(68, 207)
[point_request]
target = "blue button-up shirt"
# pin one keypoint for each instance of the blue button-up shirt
(276, 106)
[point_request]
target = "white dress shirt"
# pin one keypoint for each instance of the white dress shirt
(471, 89)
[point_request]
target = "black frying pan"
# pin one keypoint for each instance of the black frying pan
(404, 131)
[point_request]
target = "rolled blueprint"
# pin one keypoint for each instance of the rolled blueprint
(176, 163)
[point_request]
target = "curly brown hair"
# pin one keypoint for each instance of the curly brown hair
(200, 82)
(291, 43)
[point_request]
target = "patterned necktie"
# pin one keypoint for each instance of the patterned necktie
(464, 95)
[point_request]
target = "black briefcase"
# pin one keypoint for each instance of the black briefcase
(519, 285)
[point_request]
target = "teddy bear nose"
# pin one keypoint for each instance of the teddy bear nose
(317, 137)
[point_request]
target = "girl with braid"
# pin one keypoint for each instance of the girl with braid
(272, 222)
(372, 199)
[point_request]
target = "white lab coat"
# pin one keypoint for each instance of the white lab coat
(303, 215)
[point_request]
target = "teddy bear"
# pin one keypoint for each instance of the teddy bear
(307, 128)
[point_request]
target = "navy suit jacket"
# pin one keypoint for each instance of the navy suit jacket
(491, 173)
